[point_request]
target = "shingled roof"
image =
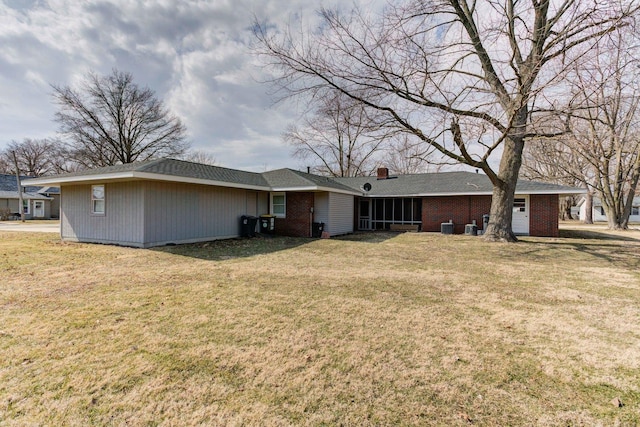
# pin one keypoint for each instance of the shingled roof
(429, 184)
(163, 167)
(289, 179)
(444, 183)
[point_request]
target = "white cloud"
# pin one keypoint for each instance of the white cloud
(194, 54)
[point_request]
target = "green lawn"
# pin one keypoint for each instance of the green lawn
(373, 329)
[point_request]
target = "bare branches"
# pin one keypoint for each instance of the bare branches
(476, 65)
(111, 120)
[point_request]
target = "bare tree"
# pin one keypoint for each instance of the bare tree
(35, 157)
(408, 156)
(110, 120)
(554, 161)
(199, 156)
(465, 77)
(607, 128)
(5, 165)
(339, 139)
(603, 150)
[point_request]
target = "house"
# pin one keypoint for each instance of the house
(35, 205)
(598, 213)
(172, 201)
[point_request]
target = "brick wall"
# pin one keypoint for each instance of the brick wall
(461, 209)
(298, 219)
(543, 215)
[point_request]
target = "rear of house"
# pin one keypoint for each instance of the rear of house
(425, 201)
(169, 201)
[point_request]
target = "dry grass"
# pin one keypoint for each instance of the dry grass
(379, 329)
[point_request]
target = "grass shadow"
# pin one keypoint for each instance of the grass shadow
(596, 235)
(618, 250)
(222, 250)
(369, 236)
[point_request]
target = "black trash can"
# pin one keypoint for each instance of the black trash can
(267, 224)
(248, 225)
(317, 229)
(446, 228)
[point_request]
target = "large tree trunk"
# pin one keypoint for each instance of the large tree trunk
(588, 208)
(504, 188)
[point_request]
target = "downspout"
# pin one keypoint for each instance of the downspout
(311, 222)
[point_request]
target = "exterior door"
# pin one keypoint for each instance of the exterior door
(364, 214)
(38, 209)
(520, 221)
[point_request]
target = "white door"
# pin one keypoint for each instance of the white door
(520, 221)
(38, 209)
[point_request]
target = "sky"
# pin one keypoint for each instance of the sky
(195, 55)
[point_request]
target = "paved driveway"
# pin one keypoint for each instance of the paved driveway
(35, 226)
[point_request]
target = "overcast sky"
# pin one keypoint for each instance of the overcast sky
(194, 54)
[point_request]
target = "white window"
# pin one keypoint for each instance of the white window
(97, 199)
(635, 210)
(278, 204)
(519, 205)
(25, 206)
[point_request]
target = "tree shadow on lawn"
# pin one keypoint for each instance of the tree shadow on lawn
(623, 251)
(599, 235)
(221, 250)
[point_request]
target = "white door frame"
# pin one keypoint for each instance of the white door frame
(364, 221)
(521, 215)
(38, 208)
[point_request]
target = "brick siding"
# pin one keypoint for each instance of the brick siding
(298, 219)
(543, 215)
(461, 209)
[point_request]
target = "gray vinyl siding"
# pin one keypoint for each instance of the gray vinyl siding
(121, 224)
(340, 214)
(180, 213)
(263, 203)
(321, 208)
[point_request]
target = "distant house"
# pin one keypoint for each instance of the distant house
(35, 204)
(599, 214)
(171, 201)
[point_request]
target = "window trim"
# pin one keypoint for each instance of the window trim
(284, 204)
(95, 199)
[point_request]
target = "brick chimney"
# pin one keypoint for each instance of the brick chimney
(383, 173)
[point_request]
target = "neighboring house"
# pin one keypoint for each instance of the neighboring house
(35, 205)
(598, 212)
(172, 201)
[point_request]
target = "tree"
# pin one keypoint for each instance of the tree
(554, 161)
(111, 120)
(405, 156)
(35, 157)
(607, 128)
(467, 78)
(603, 150)
(199, 156)
(339, 139)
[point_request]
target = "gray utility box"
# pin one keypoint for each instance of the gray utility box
(446, 228)
(471, 229)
